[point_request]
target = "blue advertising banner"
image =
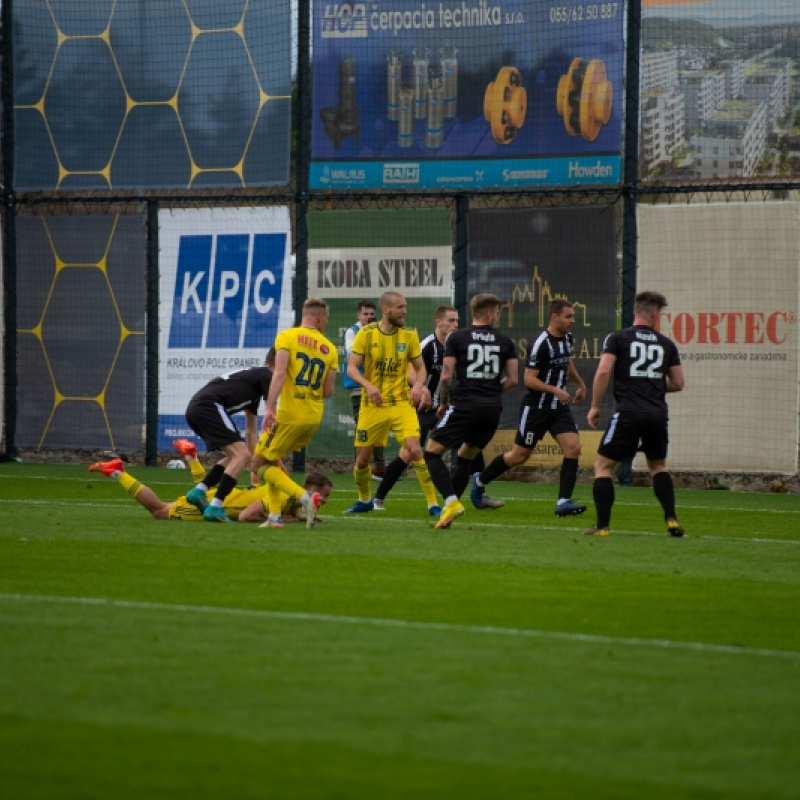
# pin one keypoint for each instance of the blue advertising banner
(467, 94)
(225, 293)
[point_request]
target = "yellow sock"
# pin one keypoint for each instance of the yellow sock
(277, 478)
(275, 498)
(425, 482)
(129, 484)
(197, 469)
(362, 477)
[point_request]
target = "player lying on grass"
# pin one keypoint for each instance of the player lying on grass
(249, 504)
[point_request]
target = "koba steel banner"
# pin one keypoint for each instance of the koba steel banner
(225, 293)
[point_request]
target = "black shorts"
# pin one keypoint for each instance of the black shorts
(427, 422)
(534, 423)
(212, 423)
(627, 429)
(470, 425)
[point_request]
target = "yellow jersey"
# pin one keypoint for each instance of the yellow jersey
(386, 357)
(311, 358)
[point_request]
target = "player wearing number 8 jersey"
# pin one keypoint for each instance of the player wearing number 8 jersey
(305, 370)
(646, 366)
(483, 360)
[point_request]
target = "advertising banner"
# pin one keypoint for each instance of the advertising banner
(719, 87)
(359, 255)
(529, 257)
(225, 294)
(467, 94)
(730, 274)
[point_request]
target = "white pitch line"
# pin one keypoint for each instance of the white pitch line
(380, 622)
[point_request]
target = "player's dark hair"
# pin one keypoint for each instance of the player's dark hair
(482, 303)
(269, 361)
(647, 302)
(317, 479)
(558, 305)
(442, 311)
(366, 304)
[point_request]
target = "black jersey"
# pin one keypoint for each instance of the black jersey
(644, 357)
(481, 353)
(433, 356)
(237, 391)
(550, 356)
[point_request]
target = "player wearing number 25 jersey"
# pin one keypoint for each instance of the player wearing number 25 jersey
(483, 361)
(645, 366)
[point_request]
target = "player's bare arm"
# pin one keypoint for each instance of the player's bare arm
(419, 390)
(250, 430)
(511, 377)
(536, 384)
(330, 383)
(278, 379)
(674, 379)
(580, 392)
(599, 387)
(354, 373)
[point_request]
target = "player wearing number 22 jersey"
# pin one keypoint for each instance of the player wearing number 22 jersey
(645, 366)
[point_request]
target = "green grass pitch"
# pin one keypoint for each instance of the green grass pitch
(374, 657)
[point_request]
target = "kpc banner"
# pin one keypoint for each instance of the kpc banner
(225, 293)
(467, 94)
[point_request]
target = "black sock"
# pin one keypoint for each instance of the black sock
(439, 474)
(461, 474)
(478, 463)
(214, 476)
(391, 475)
(664, 490)
(494, 470)
(567, 478)
(226, 484)
(603, 491)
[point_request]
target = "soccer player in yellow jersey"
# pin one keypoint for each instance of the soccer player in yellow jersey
(241, 505)
(306, 363)
(384, 350)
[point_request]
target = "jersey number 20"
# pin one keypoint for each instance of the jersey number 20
(311, 370)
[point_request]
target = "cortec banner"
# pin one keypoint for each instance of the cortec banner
(225, 294)
(731, 275)
(359, 255)
(467, 94)
(528, 258)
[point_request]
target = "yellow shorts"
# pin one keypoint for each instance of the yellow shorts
(375, 422)
(283, 438)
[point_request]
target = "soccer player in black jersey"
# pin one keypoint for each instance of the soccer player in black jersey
(546, 408)
(646, 366)
(483, 361)
(209, 415)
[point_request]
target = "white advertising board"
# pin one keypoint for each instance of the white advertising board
(731, 275)
(225, 284)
